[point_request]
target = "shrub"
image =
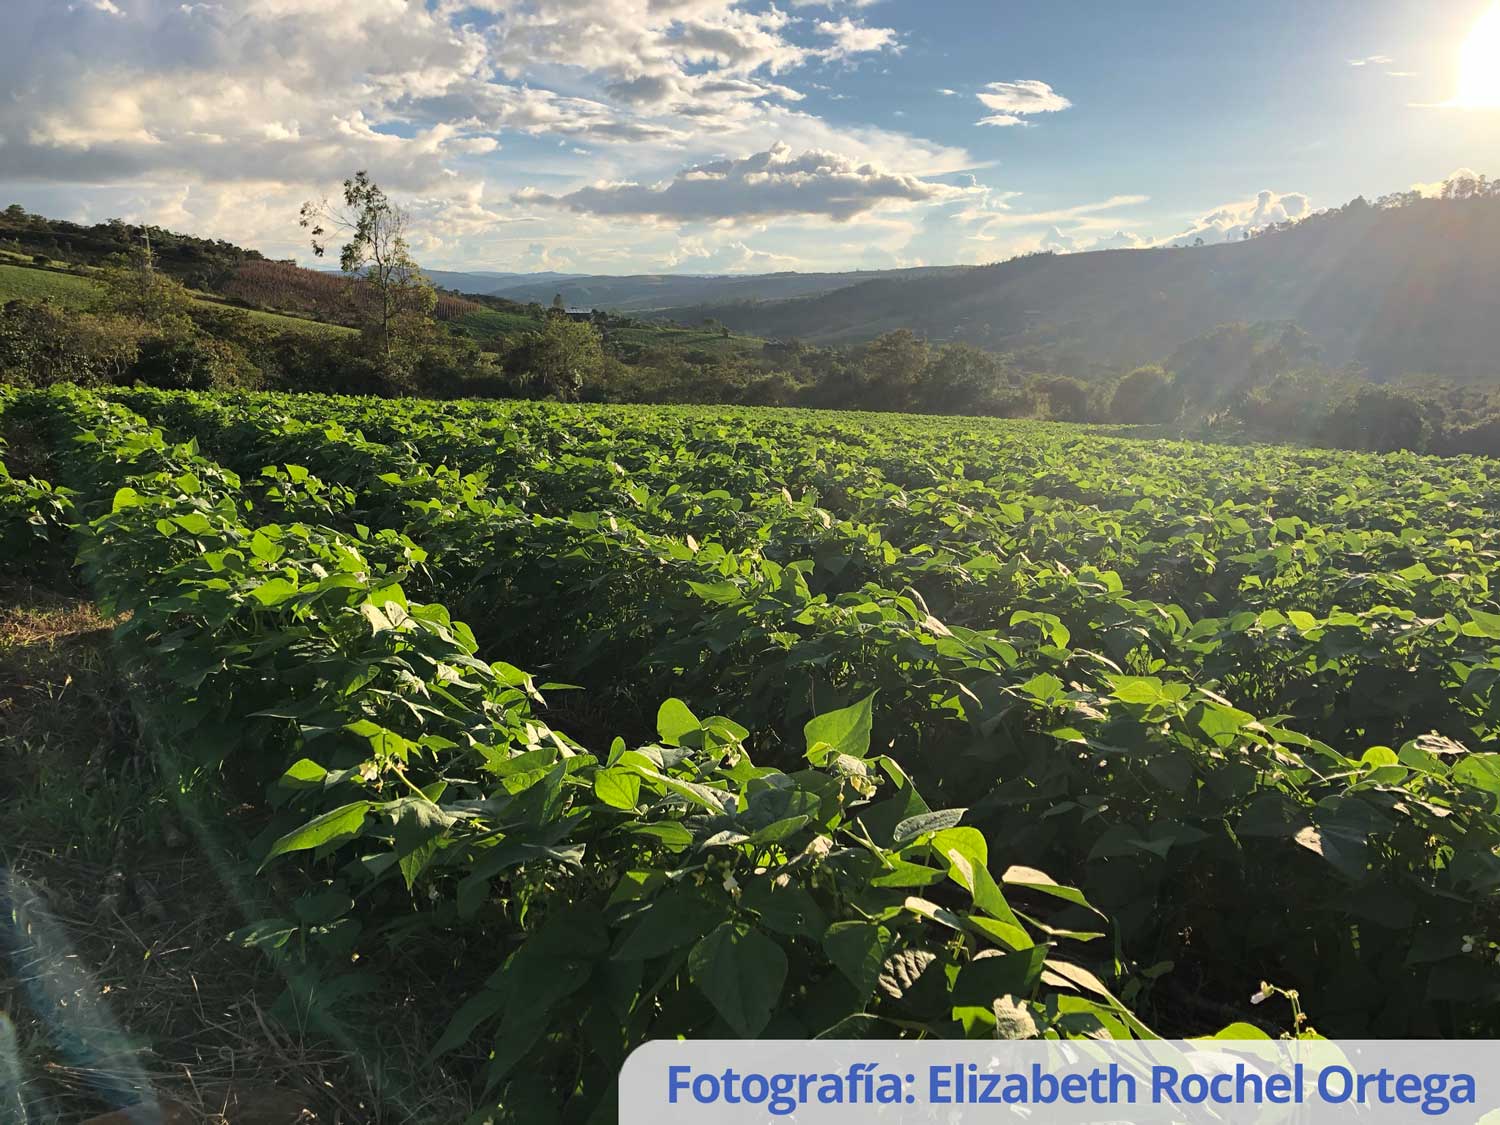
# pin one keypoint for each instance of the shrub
(1146, 395)
(193, 362)
(42, 343)
(1379, 418)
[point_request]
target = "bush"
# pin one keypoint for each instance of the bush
(1379, 418)
(1063, 397)
(1147, 395)
(42, 343)
(557, 362)
(193, 362)
(1481, 438)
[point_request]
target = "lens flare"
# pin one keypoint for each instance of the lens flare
(1479, 63)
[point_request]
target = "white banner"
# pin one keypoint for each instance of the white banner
(965, 1082)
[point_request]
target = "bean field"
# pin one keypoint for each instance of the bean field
(636, 723)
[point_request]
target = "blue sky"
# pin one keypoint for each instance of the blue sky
(740, 135)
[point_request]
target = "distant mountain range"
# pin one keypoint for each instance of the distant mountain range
(1407, 289)
(648, 292)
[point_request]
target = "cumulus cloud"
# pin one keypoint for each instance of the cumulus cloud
(1065, 243)
(1234, 220)
(221, 116)
(1013, 102)
(694, 255)
(541, 257)
(771, 183)
(1435, 188)
(853, 38)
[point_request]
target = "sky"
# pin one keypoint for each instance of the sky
(734, 136)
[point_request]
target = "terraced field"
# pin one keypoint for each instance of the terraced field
(635, 723)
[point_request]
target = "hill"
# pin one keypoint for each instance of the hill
(78, 291)
(647, 292)
(486, 282)
(1406, 286)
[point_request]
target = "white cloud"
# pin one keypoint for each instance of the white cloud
(1015, 101)
(947, 93)
(853, 38)
(1234, 220)
(1062, 242)
(220, 116)
(1003, 216)
(1372, 60)
(771, 183)
(1435, 188)
(695, 255)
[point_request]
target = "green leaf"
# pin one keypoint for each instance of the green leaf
(992, 975)
(1239, 1030)
(672, 920)
(273, 592)
(1044, 687)
(786, 910)
(346, 820)
(618, 788)
(846, 731)
(914, 826)
(1483, 624)
(674, 720)
(262, 547)
(1034, 880)
(741, 971)
(858, 950)
(1479, 771)
(303, 774)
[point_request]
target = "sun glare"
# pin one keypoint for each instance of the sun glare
(1479, 63)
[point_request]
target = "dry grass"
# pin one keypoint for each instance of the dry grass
(117, 983)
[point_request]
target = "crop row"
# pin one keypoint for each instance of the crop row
(592, 898)
(1184, 767)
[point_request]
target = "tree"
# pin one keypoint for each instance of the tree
(1380, 418)
(399, 299)
(894, 366)
(961, 379)
(1144, 396)
(1067, 398)
(559, 361)
(158, 301)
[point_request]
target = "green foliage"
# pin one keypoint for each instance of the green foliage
(155, 299)
(42, 343)
(677, 888)
(1029, 730)
(1378, 417)
(394, 301)
(200, 262)
(557, 362)
(1205, 686)
(192, 361)
(1145, 395)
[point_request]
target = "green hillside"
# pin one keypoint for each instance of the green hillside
(1403, 286)
(73, 291)
(32, 284)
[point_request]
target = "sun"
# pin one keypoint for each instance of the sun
(1479, 63)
